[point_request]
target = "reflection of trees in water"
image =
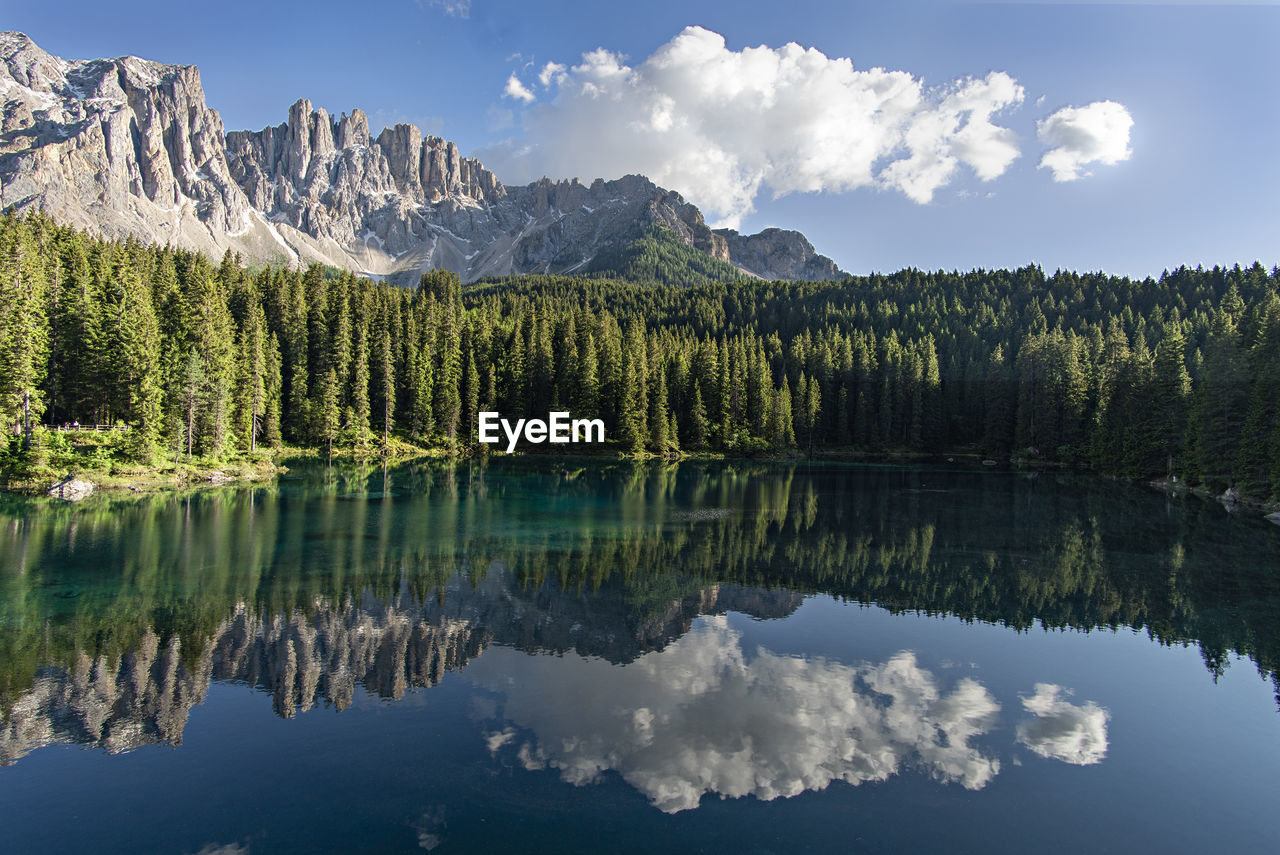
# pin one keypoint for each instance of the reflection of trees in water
(620, 550)
(320, 655)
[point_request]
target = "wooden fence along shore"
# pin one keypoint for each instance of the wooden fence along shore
(72, 428)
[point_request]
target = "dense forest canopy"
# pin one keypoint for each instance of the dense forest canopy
(1172, 376)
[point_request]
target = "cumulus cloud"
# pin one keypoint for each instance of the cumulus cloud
(723, 126)
(517, 90)
(1075, 734)
(1079, 136)
(702, 717)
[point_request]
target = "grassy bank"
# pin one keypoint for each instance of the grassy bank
(107, 460)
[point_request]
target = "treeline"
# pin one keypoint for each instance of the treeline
(1175, 376)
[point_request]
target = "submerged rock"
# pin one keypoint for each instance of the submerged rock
(1275, 518)
(71, 489)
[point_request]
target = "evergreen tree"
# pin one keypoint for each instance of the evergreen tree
(1220, 404)
(329, 416)
(24, 328)
(387, 376)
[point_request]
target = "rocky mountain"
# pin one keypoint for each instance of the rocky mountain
(128, 147)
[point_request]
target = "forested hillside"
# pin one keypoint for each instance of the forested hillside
(1179, 375)
(658, 257)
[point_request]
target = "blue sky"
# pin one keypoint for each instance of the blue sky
(774, 137)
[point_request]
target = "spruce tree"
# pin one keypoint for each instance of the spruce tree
(329, 416)
(24, 328)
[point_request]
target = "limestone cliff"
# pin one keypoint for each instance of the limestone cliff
(128, 147)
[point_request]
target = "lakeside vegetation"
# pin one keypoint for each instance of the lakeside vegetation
(210, 365)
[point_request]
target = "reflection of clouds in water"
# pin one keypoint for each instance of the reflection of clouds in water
(700, 717)
(1063, 731)
(430, 827)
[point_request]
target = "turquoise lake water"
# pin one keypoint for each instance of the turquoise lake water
(539, 656)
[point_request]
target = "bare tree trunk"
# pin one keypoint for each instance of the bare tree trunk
(26, 420)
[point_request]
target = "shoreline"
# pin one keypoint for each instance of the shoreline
(118, 478)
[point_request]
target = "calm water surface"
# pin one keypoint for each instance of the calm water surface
(532, 656)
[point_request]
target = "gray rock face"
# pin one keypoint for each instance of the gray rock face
(778, 254)
(120, 146)
(128, 147)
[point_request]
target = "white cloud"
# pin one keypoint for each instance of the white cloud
(552, 72)
(517, 90)
(723, 126)
(456, 8)
(1079, 136)
(957, 130)
(702, 716)
(1075, 734)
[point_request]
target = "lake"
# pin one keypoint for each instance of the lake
(532, 655)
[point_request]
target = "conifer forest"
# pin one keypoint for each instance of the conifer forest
(1174, 376)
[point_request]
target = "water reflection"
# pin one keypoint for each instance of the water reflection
(145, 696)
(323, 654)
(115, 616)
(1060, 730)
(706, 716)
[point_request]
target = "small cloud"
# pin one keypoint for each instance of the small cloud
(1075, 734)
(552, 72)
(455, 8)
(1079, 136)
(517, 90)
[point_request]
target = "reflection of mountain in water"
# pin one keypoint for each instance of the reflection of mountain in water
(115, 615)
(144, 696)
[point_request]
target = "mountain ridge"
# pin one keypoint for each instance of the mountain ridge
(128, 147)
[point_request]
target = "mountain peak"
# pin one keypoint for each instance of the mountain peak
(128, 147)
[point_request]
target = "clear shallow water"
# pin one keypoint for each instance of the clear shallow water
(526, 656)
